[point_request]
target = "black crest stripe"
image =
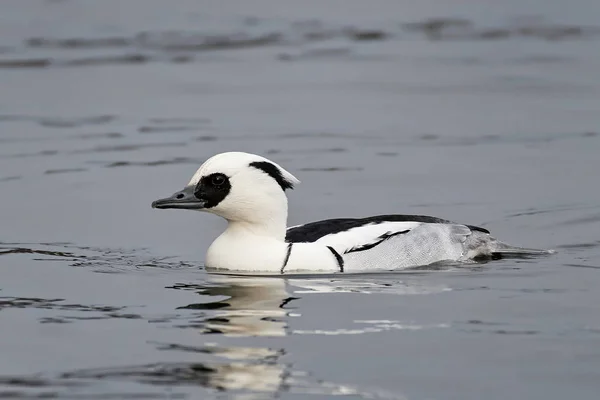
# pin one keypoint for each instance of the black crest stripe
(380, 240)
(274, 172)
(338, 258)
(287, 257)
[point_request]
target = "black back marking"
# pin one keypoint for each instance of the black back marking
(274, 172)
(286, 301)
(380, 239)
(212, 189)
(338, 258)
(313, 231)
(287, 257)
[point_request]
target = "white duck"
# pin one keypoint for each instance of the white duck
(249, 192)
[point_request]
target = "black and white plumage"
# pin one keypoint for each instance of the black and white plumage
(249, 192)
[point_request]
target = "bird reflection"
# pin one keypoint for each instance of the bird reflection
(240, 306)
(242, 372)
(244, 306)
(247, 369)
(251, 307)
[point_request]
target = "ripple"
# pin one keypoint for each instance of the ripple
(362, 35)
(10, 178)
(191, 41)
(590, 219)
(160, 125)
(309, 151)
(330, 169)
(462, 29)
(262, 376)
(64, 171)
(383, 285)
(61, 122)
(98, 259)
(26, 63)
(161, 129)
(180, 120)
(76, 43)
(371, 327)
(177, 46)
(154, 163)
(128, 147)
(42, 153)
(101, 135)
(580, 246)
(582, 266)
(4, 250)
(506, 328)
(62, 311)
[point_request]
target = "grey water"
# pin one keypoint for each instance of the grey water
(486, 113)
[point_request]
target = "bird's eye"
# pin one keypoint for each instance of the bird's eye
(217, 180)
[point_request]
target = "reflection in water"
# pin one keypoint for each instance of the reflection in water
(378, 283)
(368, 326)
(255, 370)
(251, 307)
(258, 374)
(243, 306)
(257, 306)
(247, 372)
(242, 372)
(231, 306)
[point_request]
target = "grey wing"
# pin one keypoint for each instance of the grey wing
(422, 245)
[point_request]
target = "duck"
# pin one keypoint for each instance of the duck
(250, 192)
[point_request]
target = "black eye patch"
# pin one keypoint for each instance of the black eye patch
(212, 189)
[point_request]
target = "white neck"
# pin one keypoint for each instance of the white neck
(249, 246)
(271, 228)
(266, 217)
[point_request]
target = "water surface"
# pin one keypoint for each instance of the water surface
(481, 113)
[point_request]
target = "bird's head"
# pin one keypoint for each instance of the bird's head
(236, 186)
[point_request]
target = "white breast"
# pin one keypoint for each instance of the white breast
(246, 253)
